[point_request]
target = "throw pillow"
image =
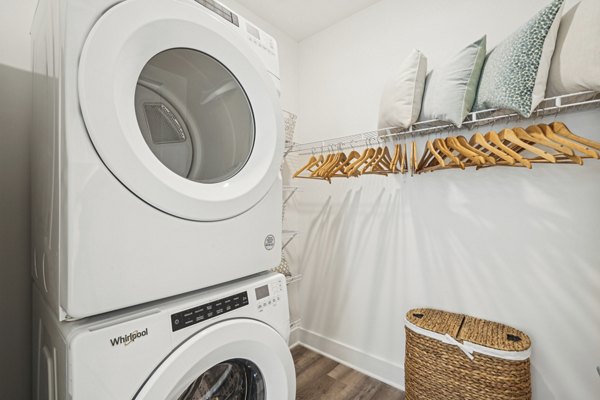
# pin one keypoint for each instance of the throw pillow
(515, 73)
(450, 90)
(576, 62)
(402, 95)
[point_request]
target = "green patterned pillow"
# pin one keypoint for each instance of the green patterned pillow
(516, 71)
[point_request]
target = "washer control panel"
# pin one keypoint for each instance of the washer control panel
(269, 295)
(207, 311)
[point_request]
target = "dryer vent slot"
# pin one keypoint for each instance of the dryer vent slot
(163, 124)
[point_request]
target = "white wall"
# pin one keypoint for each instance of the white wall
(511, 245)
(15, 115)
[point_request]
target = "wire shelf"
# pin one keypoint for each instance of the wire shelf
(293, 279)
(550, 106)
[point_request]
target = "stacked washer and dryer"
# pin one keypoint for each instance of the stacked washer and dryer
(156, 198)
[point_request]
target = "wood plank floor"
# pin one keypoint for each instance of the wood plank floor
(319, 378)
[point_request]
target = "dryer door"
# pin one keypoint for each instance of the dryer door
(240, 359)
(180, 109)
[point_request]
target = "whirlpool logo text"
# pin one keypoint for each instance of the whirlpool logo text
(129, 338)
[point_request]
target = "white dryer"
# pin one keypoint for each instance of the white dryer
(229, 342)
(156, 150)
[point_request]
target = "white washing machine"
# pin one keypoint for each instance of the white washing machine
(229, 342)
(156, 149)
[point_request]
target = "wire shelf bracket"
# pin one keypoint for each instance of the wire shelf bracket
(292, 190)
(293, 279)
(290, 236)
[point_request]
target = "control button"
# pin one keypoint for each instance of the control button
(176, 319)
(228, 308)
(219, 311)
(210, 314)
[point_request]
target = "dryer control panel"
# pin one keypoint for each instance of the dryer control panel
(207, 311)
(269, 295)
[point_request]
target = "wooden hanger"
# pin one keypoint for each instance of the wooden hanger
(372, 160)
(394, 167)
(570, 141)
(465, 153)
(353, 169)
(338, 171)
(454, 161)
(381, 166)
(404, 160)
(430, 158)
(487, 159)
(537, 135)
(561, 129)
(313, 164)
(318, 173)
(413, 158)
(509, 136)
(479, 142)
(326, 171)
(493, 138)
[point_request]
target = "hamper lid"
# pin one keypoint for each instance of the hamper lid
(493, 335)
(470, 330)
(438, 321)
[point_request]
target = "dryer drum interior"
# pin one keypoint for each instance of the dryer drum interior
(235, 379)
(194, 115)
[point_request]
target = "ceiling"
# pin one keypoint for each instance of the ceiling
(303, 18)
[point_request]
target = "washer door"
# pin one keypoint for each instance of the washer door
(179, 109)
(240, 359)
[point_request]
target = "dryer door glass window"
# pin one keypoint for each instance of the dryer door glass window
(232, 380)
(194, 115)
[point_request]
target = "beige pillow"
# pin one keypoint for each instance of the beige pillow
(576, 62)
(402, 95)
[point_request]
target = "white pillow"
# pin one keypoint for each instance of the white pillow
(450, 90)
(402, 96)
(576, 62)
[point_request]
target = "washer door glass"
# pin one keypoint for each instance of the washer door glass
(194, 115)
(235, 379)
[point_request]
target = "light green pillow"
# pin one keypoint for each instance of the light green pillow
(450, 90)
(515, 73)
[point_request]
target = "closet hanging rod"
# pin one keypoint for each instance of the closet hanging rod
(549, 106)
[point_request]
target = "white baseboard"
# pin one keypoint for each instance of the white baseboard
(294, 337)
(375, 367)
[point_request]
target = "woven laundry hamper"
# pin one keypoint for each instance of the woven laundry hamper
(453, 356)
